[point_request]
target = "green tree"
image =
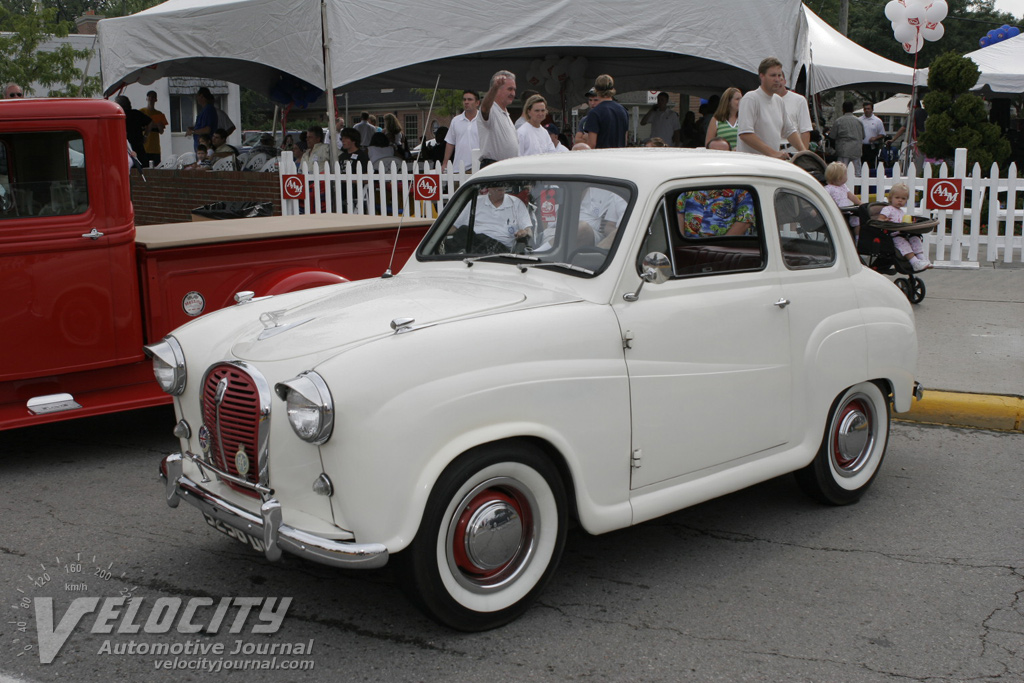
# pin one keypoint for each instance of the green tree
(446, 102)
(22, 62)
(958, 118)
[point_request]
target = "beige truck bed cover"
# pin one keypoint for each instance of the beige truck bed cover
(170, 235)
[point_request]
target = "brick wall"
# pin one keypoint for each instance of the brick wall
(169, 196)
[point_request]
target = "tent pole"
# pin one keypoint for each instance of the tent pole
(329, 87)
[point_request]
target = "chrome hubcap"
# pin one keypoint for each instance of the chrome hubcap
(854, 438)
(493, 535)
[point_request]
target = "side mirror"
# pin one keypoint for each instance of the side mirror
(656, 270)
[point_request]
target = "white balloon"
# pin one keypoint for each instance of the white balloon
(913, 46)
(895, 11)
(552, 86)
(933, 31)
(936, 11)
(915, 15)
(905, 33)
(911, 3)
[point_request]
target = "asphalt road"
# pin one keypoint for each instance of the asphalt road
(923, 579)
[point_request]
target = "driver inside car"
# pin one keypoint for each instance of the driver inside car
(498, 217)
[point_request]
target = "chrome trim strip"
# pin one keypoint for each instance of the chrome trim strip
(205, 465)
(277, 536)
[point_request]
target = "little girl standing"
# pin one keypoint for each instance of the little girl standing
(911, 247)
(835, 176)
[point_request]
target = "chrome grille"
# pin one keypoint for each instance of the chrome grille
(236, 405)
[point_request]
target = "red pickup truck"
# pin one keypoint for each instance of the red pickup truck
(83, 288)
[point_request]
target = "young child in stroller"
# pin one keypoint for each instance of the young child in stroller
(911, 246)
(835, 185)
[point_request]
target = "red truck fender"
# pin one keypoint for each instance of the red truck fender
(294, 279)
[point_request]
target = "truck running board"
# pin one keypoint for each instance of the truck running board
(52, 403)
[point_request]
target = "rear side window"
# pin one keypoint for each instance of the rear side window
(42, 174)
(803, 232)
(710, 230)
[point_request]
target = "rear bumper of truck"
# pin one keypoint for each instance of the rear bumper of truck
(272, 535)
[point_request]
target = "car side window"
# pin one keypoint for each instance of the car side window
(714, 230)
(803, 232)
(43, 174)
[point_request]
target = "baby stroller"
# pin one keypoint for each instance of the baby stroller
(875, 243)
(877, 250)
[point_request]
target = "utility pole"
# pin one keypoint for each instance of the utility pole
(844, 16)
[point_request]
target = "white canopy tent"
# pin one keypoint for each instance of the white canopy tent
(1001, 66)
(834, 61)
(409, 44)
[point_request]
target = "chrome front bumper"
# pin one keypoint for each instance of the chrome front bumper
(277, 537)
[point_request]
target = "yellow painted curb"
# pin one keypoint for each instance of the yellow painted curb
(981, 411)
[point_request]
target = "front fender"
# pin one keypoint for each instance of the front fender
(293, 280)
(409, 404)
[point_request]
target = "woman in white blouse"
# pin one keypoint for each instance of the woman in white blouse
(534, 138)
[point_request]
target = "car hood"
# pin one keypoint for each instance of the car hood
(358, 312)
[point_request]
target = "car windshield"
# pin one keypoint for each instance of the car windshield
(572, 224)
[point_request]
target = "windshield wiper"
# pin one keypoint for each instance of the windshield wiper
(519, 257)
(567, 266)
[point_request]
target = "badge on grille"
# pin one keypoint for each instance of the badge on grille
(242, 461)
(204, 439)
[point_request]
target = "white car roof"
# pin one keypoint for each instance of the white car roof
(648, 166)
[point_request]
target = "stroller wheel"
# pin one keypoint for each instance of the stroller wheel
(917, 290)
(904, 285)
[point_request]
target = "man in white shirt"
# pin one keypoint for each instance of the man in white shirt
(762, 125)
(874, 131)
(664, 122)
(462, 137)
(498, 215)
(317, 151)
(798, 112)
(601, 211)
(498, 139)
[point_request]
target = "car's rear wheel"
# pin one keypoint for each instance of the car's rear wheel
(852, 449)
(491, 536)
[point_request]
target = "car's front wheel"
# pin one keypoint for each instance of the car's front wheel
(852, 449)
(491, 536)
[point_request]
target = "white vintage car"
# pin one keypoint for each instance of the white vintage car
(606, 336)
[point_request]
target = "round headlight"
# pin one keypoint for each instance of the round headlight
(309, 406)
(168, 365)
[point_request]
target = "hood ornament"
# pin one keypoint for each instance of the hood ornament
(272, 324)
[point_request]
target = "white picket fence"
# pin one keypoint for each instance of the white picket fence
(957, 243)
(382, 191)
(959, 238)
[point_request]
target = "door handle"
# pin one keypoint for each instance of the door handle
(782, 303)
(94, 234)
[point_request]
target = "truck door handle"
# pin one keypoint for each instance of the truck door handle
(94, 234)
(782, 303)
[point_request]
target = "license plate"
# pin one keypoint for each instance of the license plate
(240, 536)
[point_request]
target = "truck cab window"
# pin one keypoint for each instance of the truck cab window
(42, 174)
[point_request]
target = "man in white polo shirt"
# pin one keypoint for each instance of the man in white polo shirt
(798, 112)
(763, 126)
(462, 137)
(498, 139)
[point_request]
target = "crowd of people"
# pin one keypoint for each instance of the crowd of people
(771, 120)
